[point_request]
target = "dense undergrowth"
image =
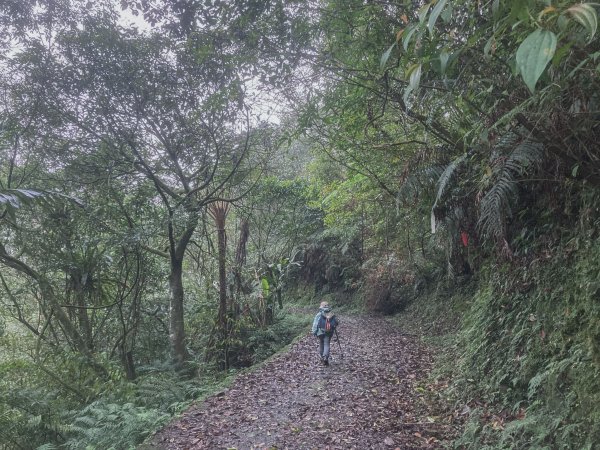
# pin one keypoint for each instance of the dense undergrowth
(531, 341)
(62, 404)
(520, 342)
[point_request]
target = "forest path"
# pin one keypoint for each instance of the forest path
(376, 397)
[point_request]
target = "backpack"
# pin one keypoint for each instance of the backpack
(327, 323)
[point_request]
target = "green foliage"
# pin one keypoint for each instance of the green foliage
(263, 343)
(103, 425)
(528, 368)
(36, 407)
(252, 341)
(524, 157)
(442, 186)
(339, 200)
(534, 54)
(163, 391)
(282, 215)
(30, 414)
(13, 199)
(586, 15)
(531, 343)
(476, 120)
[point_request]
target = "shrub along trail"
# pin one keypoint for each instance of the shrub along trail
(376, 397)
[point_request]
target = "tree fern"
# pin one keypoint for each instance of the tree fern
(495, 206)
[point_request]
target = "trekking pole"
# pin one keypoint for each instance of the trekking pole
(338, 341)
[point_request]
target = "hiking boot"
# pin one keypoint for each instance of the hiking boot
(326, 361)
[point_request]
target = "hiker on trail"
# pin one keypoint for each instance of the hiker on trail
(323, 328)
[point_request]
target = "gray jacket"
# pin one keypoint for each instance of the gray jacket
(326, 312)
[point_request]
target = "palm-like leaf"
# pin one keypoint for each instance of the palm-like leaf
(418, 181)
(13, 199)
(495, 206)
(443, 184)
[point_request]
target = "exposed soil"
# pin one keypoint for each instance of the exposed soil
(377, 396)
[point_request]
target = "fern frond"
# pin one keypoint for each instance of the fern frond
(506, 143)
(417, 182)
(447, 176)
(495, 207)
(47, 447)
(110, 425)
(443, 184)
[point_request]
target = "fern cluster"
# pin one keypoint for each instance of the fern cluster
(515, 157)
(531, 349)
(29, 417)
(110, 426)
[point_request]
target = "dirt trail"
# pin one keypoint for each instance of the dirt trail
(375, 397)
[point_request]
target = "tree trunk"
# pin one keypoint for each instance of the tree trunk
(240, 259)
(177, 248)
(82, 312)
(218, 211)
(128, 365)
(176, 327)
(222, 281)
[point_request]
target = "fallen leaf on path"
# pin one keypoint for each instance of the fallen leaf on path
(381, 390)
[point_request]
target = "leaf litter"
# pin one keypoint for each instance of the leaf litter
(378, 396)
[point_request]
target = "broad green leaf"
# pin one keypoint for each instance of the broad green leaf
(265, 286)
(435, 13)
(519, 11)
(562, 22)
(534, 54)
(495, 8)
(444, 58)
(447, 14)
(414, 77)
(15, 198)
(407, 36)
(585, 14)
(386, 56)
(10, 199)
(575, 170)
(423, 10)
(407, 93)
(414, 74)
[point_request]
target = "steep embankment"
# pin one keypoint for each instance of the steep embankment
(376, 396)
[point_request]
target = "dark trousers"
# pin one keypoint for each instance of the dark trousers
(324, 341)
